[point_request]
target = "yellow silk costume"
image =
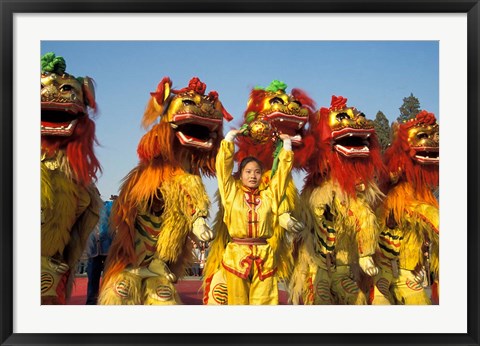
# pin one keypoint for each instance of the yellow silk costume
(268, 109)
(250, 215)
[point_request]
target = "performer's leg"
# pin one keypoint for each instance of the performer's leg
(345, 288)
(381, 287)
(160, 291)
(263, 292)
(94, 271)
(54, 275)
(216, 289)
(237, 289)
(408, 292)
(321, 288)
(123, 289)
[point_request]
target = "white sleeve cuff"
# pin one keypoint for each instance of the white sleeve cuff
(231, 135)
(287, 144)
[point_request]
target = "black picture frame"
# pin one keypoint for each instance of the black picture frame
(10, 7)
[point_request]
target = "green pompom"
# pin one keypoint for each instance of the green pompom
(276, 85)
(250, 117)
(52, 63)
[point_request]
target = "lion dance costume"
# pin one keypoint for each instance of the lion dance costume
(70, 202)
(270, 111)
(163, 198)
(409, 218)
(341, 192)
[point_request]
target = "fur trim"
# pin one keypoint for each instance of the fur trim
(78, 149)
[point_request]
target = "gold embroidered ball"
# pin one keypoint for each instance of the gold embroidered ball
(260, 131)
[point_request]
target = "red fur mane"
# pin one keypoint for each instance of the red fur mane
(347, 172)
(79, 150)
(160, 147)
(397, 157)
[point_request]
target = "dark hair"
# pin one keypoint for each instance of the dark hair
(246, 161)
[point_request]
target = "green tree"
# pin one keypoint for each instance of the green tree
(409, 109)
(382, 127)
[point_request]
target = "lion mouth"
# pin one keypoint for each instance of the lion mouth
(352, 142)
(426, 155)
(287, 124)
(57, 123)
(195, 131)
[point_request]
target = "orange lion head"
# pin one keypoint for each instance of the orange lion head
(65, 122)
(186, 126)
(414, 155)
(348, 147)
(271, 111)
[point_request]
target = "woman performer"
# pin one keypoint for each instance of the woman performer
(251, 210)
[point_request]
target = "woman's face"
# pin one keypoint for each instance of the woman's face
(251, 175)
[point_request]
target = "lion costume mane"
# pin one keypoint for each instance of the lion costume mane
(409, 218)
(340, 192)
(162, 197)
(70, 202)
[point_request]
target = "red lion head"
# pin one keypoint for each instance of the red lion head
(347, 147)
(189, 129)
(414, 155)
(271, 111)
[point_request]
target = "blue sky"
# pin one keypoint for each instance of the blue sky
(373, 75)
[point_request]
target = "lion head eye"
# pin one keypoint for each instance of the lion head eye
(276, 100)
(341, 116)
(66, 87)
(187, 102)
(422, 135)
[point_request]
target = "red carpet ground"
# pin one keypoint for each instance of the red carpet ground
(189, 289)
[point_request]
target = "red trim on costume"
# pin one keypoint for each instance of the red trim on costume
(262, 277)
(435, 295)
(311, 294)
(208, 282)
(249, 260)
(151, 248)
(385, 240)
(235, 272)
(61, 288)
(250, 227)
(371, 295)
(250, 241)
(150, 230)
(252, 197)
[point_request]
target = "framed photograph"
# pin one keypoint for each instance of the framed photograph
(324, 46)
